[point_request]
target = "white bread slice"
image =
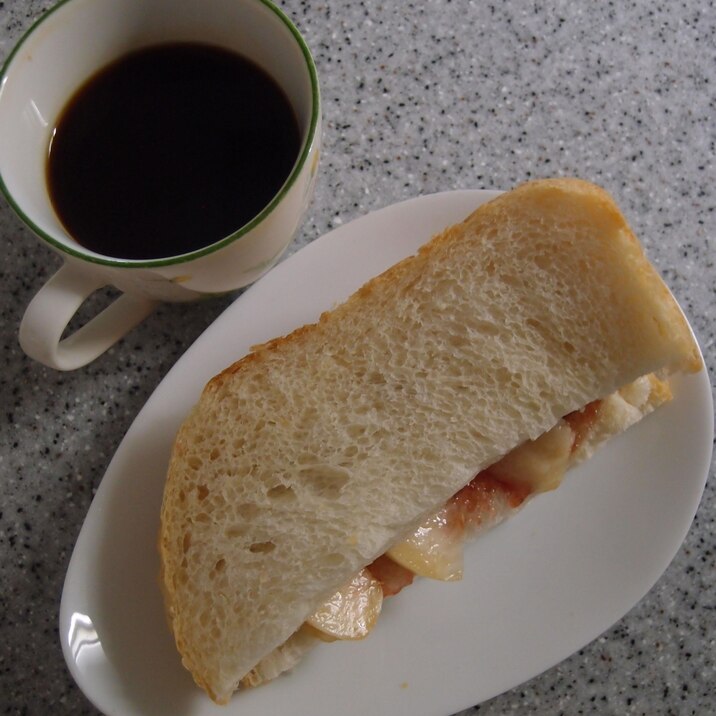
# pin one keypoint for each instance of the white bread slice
(305, 460)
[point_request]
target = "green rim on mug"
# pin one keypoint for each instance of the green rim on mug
(181, 258)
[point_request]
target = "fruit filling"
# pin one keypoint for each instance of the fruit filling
(435, 548)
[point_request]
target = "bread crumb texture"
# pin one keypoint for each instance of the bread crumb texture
(306, 459)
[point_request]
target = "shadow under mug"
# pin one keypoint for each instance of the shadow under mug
(69, 44)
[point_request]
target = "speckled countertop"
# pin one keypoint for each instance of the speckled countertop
(418, 98)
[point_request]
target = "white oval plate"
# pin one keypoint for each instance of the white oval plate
(535, 590)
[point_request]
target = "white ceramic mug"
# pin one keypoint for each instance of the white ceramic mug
(65, 47)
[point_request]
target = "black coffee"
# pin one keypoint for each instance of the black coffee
(170, 149)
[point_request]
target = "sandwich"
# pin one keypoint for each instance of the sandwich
(326, 469)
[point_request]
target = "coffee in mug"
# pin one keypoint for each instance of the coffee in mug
(169, 149)
(242, 186)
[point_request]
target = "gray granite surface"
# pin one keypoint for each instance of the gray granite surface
(418, 97)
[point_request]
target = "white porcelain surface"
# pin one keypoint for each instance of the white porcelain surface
(535, 590)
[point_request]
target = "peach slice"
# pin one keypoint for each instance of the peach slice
(434, 550)
(351, 612)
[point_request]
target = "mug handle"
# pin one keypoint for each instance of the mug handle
(52, 308)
